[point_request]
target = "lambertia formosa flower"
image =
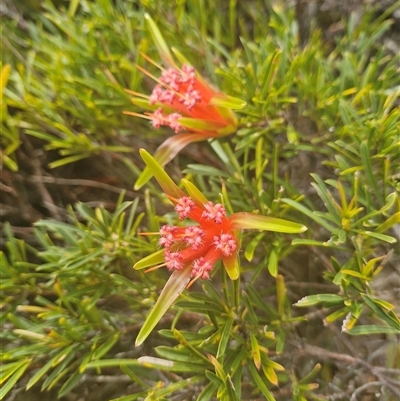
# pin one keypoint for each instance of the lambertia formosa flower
(191, 251)
(183, 101)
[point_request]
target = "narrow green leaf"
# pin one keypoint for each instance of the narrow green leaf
(231, 264)
(310, 214)
(194, 192)
(163, 179)
(4, 75)
(255, 351)
(251, 247)
(171, 291)
(159, 41)
(105, 347)
(62, 367)
(165, 153)
(270, 374)
(326, 197)
(154, 259)
(182, 340)
(73, 5)
(310, 375)
(260, 383)
(109, 363)
(366, 160)
(318, 298)
(353, 273)
(382, 311)
(200, 125)
(229, 102)
(207, 392)
(225, 337)
(372, 329)
(273, 262)
(14, 378)
(42, 371)
(382, 237)
(181, 355)
(164, 364)
(72, 381)
(244, 220)
(311, 242)
(67, 160)
(391, 221)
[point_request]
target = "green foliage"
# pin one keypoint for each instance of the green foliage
(53, 304)
(318, 143)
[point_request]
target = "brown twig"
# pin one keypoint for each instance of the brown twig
(380, 372)
(47, 200)
(82, 182)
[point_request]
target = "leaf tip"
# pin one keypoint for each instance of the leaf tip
(302, 229)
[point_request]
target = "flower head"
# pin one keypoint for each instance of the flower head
(183, 101)
(199, 246)
(212, 237)
(190, 252)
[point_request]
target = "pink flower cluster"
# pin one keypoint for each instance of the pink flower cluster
(199, 245)
(188, 96)
(176, 88)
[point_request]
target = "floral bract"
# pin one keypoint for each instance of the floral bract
(183, 101)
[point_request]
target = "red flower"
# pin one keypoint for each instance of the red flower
(190, 252)
(202, 245)
(183, 101)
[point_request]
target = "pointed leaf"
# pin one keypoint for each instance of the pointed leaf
(165, 364)
(182, 59)
(159, 41)
(255, 351)
(107, 363)
(311, 300)
(164, 154)
(260, 383)
(194, 192)
(270, 374)
(382, 237)
(201, 125)
(152, 260)
(143, 104)
(9, 385)
(251, 247)
(225, 337)
(207, 392)
(244, 220)
(273, 262)
(171, 291)
(232, 266)
(4, 75)
(229, 102)
(164, 180)
(391, 221)
(369, 329)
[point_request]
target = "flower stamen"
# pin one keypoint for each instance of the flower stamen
(193, 237)
(173, 260)
(215, 212)
(201, 268)
(157, 118)
(190, 98)
(184, 206)
(225, 243)
(174, 123)
(167, 236)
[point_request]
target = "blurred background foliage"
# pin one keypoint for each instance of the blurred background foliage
(318, 143)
